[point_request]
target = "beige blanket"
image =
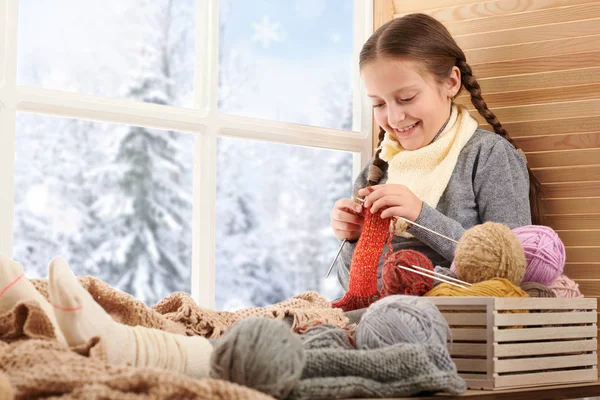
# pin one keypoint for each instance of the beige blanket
(33, 364)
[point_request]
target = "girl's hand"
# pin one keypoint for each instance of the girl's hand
(394, 200)
(345, 222)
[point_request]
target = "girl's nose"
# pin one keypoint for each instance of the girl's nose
(395, 116)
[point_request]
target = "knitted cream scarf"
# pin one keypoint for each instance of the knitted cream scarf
(426, 171)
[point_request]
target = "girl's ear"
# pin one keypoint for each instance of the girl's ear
(453, 83)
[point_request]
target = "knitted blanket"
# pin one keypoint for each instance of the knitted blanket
(335, 370)
(178, 313)
(36, 365)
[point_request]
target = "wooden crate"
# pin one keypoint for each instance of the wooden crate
(501, 343)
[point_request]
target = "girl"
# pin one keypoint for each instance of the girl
(433, 165)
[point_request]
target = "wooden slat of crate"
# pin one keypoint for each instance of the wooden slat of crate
(527, 349)
(475, 381)
(473, 308)
(469, 334)
(469, 319)
(468, 349)
(506, 303)
(546, 318)
(545, 363)
(470, 365)
(528, 334)
(555, 377)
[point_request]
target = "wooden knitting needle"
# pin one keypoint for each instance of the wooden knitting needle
(442, 275)
(436, 277)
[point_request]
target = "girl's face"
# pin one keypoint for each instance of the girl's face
(409, 105)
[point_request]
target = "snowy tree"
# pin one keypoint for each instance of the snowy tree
(50, 203)
(144, 234)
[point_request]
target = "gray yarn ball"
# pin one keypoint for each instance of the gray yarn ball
(260, 353)
(326, 336)
(401, 319)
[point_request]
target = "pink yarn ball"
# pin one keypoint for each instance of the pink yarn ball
(544, 252)
(565, 287)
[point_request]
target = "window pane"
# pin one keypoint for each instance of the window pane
(287, 61)
(114, 200)
(273, 234)
(109, 48)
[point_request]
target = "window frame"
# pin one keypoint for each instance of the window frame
(203, 121)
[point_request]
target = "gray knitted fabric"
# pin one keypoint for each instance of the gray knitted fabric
(401, 370)
(326, 336)
(355, 315)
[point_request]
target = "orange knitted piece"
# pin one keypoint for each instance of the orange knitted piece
(362, 288)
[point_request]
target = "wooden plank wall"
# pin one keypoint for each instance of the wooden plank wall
(538, 63)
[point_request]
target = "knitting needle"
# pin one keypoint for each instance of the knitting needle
(420, 226)
(341, 245)
(395, 218)
(442, 275)
(431, 276)
(336, 257)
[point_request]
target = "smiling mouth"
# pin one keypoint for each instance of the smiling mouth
(407, 129)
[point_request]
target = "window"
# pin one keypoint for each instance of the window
(157, 147)
(114, 200)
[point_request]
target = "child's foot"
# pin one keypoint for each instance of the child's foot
(80, 318)
(15, 287)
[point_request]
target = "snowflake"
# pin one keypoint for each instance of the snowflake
(266, 32)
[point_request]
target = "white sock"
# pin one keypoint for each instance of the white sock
(15, 287)
(81, 318)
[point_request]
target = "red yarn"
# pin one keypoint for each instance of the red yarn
(362, 288)
(399, 281)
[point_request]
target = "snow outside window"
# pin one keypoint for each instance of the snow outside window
(181, 145)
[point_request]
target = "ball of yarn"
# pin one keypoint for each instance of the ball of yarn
(487, 251)
(396, 280)
(544, 253)
(326, 336)
(260, 353)
(534, 289)
(496, 287)
(565, 287)
(401, 319)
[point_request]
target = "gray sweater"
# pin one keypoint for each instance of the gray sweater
(489, 183)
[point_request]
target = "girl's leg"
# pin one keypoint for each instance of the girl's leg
(80, 318)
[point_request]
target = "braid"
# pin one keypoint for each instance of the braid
(470, 83)
(379, 166)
